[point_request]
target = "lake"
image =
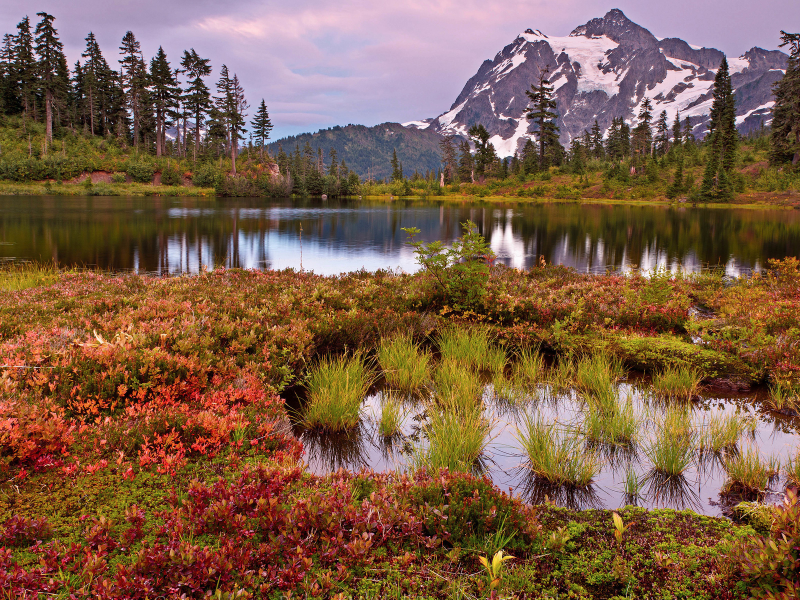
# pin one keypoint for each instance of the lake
(181, 235)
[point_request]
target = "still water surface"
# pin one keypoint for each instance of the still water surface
(179, 235)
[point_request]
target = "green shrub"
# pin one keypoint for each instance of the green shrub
(118, 178)
(171, 175)
(205, 175)
(140, 171)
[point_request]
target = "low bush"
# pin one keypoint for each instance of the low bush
(140, 171)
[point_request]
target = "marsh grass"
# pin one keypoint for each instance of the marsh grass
(616, 424)
(632, 487)
(457, 437)
(596, 375)
(456, 385)
(676, 383)
(20, 276)
(783, 398)
(528, 369)
(671, 451)
(561, 375)
(722, 432)
(792, 470)
(471, 347)
(336, 387)
(391, 421)
(557, 457)
(747, 472)
(405, 365)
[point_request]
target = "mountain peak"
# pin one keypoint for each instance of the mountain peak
(616, 26)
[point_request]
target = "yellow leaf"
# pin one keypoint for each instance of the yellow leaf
(484, 562)
(617, 521)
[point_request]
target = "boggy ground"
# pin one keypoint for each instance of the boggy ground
(145, 452)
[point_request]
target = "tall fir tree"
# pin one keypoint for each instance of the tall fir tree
(677, 135)
(397, 167)
(485, 154)
(24, 68)
(262, 126)
(134, 82)
(597, 141)
(449, 161)
(785, 135)
(643, 133)
(721, 139)
(164, 94)
(196, 96)
(542, 104)
(50, 52)
(662, 134)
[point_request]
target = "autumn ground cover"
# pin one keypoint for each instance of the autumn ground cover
(145, 449)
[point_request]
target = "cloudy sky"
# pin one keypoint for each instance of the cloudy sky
(320, 63)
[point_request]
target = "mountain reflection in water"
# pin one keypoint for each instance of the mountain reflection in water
(181, 235)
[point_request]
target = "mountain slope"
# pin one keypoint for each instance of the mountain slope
(368, 150)
(604, 69)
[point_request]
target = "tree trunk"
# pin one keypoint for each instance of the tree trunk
(91, 110)
(49, 116)
(234, 152)
(159, 131)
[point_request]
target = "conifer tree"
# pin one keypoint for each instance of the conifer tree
(485, 153)
(165, 93)
(90, 76)
(785, 136)
(643, 133)
(449, 162)
(24, 68)
(397, 168)
(541, 113)
(262, 126)
(662, 134)
(597, 141)
(196, 96)
(466, 163)
(333, 169)
(50, 51)
(134, 81)
(676, 130)
(721, 139)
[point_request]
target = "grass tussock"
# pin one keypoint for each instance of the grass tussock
(596, 375)
(528, 369)
(456, 385)
(336, 388)
(560, 377)
(792, 470)
(457, 436)
(21, 276)
(616, 424)
(405, 365)
(557, 457)
(722, 432)
(671, 451)
(472, 347)
(783, 398)
(747, 472)
(391, 420)
(676, 383)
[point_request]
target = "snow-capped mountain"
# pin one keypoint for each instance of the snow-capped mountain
(604, 69)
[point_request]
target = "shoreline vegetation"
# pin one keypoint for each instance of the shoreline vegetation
(146, 449)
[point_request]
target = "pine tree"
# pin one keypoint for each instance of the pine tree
(333, 169)
(676, 130)
(134, 80)
(165, 93)
(262, 126)
(485, 153)
(542, 100)
(785, 136)
(397, 168)
(24, 68)
(449, 162)
(662, 134)
(643, 133)
(50, 51)
(89, 76)
(721, 139)
(597, 141)
(196, 96)
(466, 163)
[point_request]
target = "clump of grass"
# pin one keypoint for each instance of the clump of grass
(676, 383)
(405, 366)
(557, 457)
(336, 387)
(747, 472)
(672, 450)
(391, 419)
(596, 374)
(783, 398)
(471, 347)
(792, 470)
(615, 424)
(528, 369)
(632, 485)
(456, 385)
(561, 375)
(723, 432)
(21, 276)
(456, 438)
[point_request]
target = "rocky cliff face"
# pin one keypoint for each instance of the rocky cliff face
(605, 69)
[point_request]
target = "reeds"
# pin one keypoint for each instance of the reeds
(471, 347)
(528, 369)
(456, 438)
(391, 420)
(676, 383)
(792, 470)
(560, 376)
(336, 387)
(783, 398)
(557, 457)
(456, 385)
(16, 277)
(747, 472)
(723, 432)
(405, 366)
(613, 424)
(671, 452)
(596, 375)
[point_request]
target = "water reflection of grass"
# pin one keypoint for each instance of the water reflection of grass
(334, 451)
